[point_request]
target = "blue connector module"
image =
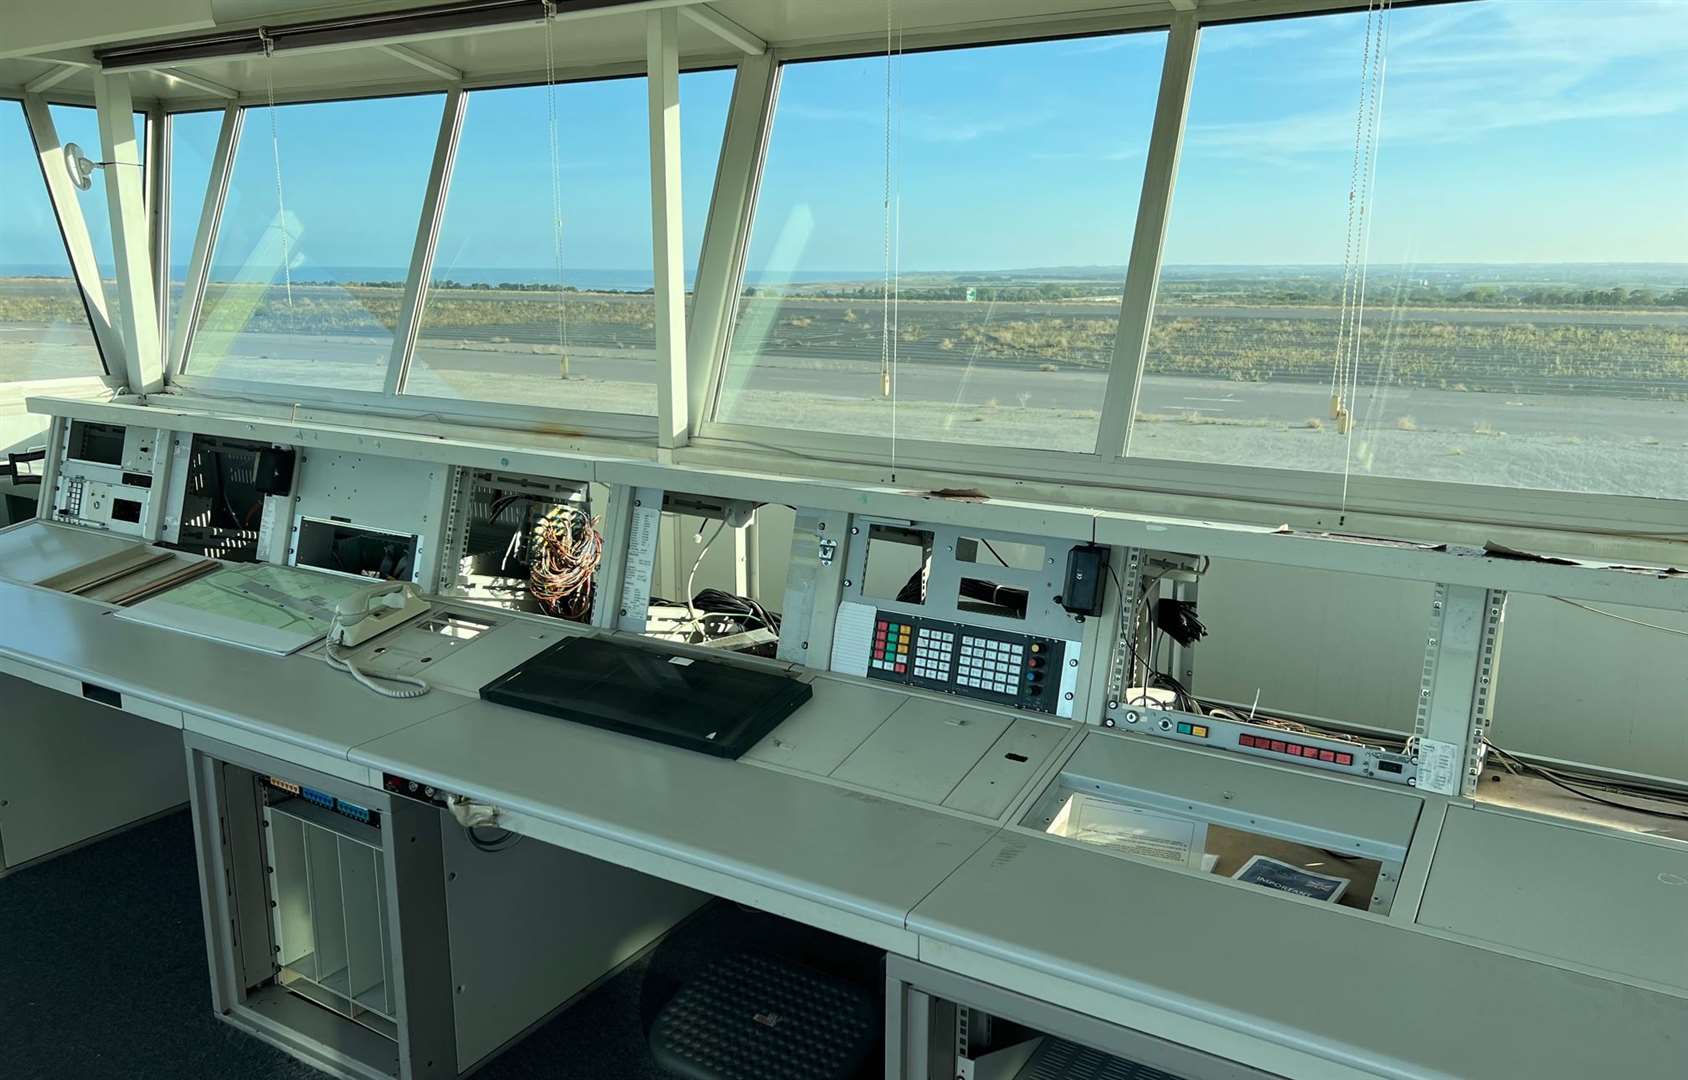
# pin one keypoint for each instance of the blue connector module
(353, 811)
(320, 798)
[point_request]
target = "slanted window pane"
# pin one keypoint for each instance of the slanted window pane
(193, 143)
(80, 124)
(1526, 316)
(352, 178)
(494, 325)
(44, 331)
(1015, 177)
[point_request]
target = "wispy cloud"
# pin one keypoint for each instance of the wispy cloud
(1462, 73)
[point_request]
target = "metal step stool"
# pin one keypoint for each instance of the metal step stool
(754, 1018)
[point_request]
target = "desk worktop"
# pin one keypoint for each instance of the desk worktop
(1319, 983)
(869, 855)
(862, 854)
(1269, 979)
(298, 700)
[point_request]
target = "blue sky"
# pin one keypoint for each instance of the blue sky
(28, 233)
(1513, 130)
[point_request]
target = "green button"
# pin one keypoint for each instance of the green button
(1183, 729)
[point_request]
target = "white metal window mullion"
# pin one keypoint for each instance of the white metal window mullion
(1142, 277)
(157, 197)
(129, 227)
(205, 240)
(409, 326)
(662, 78)
(78, 245)
(726, 235)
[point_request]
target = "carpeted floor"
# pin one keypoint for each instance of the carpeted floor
(103, 976)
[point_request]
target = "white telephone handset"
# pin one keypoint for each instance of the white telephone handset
(361, 616)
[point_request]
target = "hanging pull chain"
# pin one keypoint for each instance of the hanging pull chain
(275, 156)
(1366, 160)
(556, 186)
(1338, 372)
(891, 207)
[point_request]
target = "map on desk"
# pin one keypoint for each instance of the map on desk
(275, 609)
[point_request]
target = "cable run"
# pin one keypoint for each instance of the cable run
(1337, 375)
(1621, 618)
(1373, 112)
(275, 156)
(891, 298)
(556, 185)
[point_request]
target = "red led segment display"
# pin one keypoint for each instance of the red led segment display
(1281, 746)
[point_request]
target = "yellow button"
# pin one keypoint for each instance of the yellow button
(1199, 731)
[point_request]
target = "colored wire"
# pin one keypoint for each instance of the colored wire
(567, 547)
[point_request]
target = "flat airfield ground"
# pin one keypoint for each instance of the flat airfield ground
(1025, 374)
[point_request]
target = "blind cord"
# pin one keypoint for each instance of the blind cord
(275, 157)
(556, 186)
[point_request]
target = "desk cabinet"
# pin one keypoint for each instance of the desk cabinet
(72, 769)
(368, 934)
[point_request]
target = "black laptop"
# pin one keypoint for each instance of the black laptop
(698, 703)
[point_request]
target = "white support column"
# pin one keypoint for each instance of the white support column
(210, 218)
(1142, 277)
(662, 56)
(724, 234)
(1456, 695)
(62, 193)
(158, 176)
(427, 240)
(144, 360)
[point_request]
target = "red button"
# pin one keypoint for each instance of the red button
(1345, 759)
(1277, 746)
(1327, 755)
(1245, 740)
(1294, 750)
(901, 668)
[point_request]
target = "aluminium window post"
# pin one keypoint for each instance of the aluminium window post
(158, 210)
(121, 153)
(409, 326)
(662, 54)
(205, 239)
(726, 233)
(1142, 276)
(78, 244)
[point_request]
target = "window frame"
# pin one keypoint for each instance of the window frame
(1384, 505)
(392, 398)
(1382, 502)
(79, 259)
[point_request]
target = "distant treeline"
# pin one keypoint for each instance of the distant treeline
(1387, 293)
(1264, 294)
(1032, 293)
(475, 286)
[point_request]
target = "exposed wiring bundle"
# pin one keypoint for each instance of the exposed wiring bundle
(567, 547)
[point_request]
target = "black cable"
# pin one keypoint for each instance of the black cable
(1560, 782)
(993, 551)
(492, 847)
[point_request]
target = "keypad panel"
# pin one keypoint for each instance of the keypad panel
(991, 665)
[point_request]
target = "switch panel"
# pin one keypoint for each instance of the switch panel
(989, 665)
(1276, 743)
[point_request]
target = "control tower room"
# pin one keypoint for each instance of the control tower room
(844, 539)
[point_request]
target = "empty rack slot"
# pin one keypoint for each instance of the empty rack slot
(330, 914)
